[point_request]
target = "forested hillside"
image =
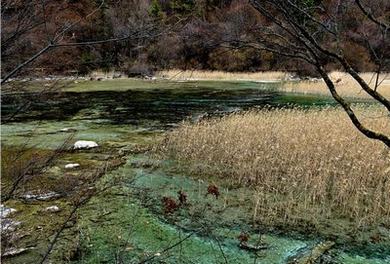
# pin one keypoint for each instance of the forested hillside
(185, 34)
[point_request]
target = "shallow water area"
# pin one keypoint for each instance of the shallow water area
(210, 226)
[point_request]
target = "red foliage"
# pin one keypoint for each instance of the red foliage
(170, 205)
(213, 190)
(243, 237)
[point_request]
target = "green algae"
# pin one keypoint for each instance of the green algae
(139, 232)
(48, 135)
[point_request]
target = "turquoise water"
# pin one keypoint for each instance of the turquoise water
(142, 230)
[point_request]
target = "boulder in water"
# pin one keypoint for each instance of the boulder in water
(85, 144)
(72, 165)
(68, 129)
(52, 209)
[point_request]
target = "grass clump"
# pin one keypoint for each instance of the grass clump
(310, 165)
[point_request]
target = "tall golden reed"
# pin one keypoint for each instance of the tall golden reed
(310, 165)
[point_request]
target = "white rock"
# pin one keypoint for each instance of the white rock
(41, 197)
(67, 129)
(6, 211)
(72, 165)
(84, 144)
(52, 209)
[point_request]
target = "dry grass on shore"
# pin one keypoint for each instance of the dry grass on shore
(345, 85)
(310, 165)
(222, 75)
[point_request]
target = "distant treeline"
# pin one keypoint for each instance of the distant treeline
(184, 34)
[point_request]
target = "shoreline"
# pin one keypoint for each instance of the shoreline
(345, 84)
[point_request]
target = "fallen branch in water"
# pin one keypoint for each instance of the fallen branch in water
(252, 248)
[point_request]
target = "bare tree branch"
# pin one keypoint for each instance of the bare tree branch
(346, 106)
(369, 15)
(287, 16)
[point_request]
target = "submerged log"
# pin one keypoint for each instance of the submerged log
(254, 248)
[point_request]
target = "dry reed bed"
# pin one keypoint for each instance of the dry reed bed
(310, 165)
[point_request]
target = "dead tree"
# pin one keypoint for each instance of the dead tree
(314, 32)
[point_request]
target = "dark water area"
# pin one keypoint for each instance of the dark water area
(131, 107)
